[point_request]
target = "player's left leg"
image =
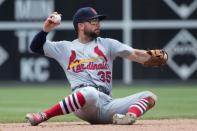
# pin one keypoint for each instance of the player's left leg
(135, 111)
(126, 110)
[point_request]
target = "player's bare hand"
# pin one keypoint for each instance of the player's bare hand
(51, 22)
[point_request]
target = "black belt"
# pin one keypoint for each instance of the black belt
(99, 88)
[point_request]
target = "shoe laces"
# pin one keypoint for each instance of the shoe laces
(41, 116)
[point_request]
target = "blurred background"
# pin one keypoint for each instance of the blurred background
(168, 24)
(30, 83)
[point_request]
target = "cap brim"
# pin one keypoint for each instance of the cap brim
(100, 17)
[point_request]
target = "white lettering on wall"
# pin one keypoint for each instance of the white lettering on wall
(34, 69)
(25, 37)
(33, 9)
(1, 2)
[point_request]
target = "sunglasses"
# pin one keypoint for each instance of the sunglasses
(94, 21)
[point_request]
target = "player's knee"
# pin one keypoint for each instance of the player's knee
(151, 97)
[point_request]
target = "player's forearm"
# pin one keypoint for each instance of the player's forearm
(38, 42)
(139, 56)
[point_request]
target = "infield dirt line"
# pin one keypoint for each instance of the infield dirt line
(141, 125)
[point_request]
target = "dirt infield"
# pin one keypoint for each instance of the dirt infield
(141, 125)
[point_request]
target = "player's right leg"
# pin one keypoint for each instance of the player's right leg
(71, 103)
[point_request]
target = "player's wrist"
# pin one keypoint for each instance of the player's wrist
(45, 30)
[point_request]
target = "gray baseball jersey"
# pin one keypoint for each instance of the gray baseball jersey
(89, 63)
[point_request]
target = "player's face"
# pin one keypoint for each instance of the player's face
(92, 28)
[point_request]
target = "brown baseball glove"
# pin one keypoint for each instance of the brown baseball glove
(158, 58)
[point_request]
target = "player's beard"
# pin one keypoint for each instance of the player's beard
(92, 34)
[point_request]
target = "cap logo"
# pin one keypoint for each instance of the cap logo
(94, 11)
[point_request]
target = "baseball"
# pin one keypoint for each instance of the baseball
(165, 56)
(56, 18)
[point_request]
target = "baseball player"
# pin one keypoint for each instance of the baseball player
(87, 63)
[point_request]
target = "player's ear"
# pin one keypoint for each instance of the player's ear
(80, 26)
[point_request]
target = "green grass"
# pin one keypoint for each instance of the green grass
(173, 101)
